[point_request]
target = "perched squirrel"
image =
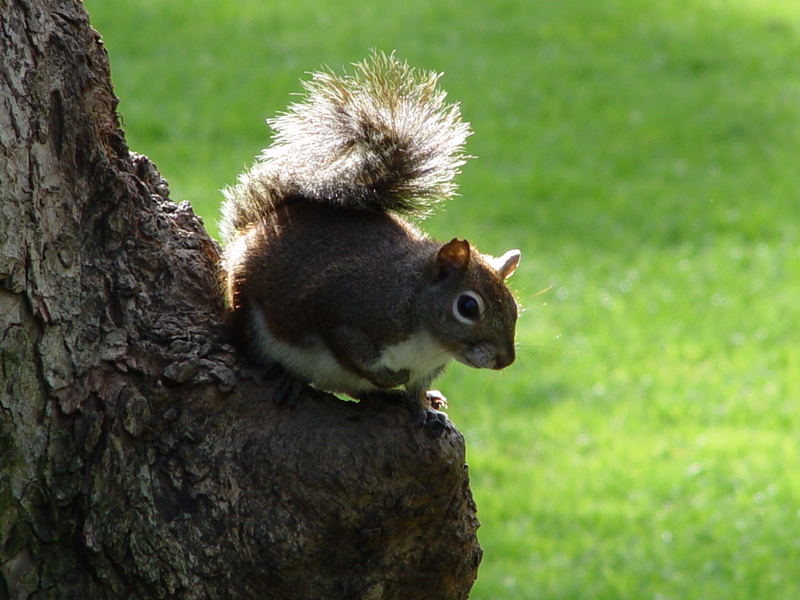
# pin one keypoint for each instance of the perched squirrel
(322, 274)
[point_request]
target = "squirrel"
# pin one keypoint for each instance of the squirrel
(324, 274)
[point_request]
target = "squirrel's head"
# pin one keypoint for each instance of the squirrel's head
(474, 313)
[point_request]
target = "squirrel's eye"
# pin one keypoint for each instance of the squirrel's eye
(468, 307)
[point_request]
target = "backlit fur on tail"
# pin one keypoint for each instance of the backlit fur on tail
(381, 138)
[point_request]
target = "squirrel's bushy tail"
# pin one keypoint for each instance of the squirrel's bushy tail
(382, 138)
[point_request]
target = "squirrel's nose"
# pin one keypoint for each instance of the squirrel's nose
(504, 358)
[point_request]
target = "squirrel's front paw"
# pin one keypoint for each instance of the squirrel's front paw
(437, 399)
(435, 423)
(422, 405)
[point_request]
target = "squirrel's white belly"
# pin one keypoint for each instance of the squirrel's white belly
(420, 354)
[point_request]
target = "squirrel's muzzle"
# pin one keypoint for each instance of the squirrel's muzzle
(503, 358)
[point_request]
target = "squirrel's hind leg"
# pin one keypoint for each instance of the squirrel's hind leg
(287, 386)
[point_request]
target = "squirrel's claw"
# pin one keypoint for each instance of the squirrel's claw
(437, 399)
(287, 389)
(435, 423)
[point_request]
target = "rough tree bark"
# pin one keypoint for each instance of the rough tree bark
(139, 457)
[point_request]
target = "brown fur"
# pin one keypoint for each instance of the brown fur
(319, 268)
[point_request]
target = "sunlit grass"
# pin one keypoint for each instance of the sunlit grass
(644, 156)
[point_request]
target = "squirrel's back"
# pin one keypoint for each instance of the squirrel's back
(382, 138)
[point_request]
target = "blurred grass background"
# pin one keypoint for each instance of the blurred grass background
(644, 155)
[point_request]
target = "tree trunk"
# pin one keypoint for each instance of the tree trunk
(139, 456)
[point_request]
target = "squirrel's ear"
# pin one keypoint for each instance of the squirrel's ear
(452, 259)
(506, 265)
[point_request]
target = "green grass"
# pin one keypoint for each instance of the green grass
(644, 155)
